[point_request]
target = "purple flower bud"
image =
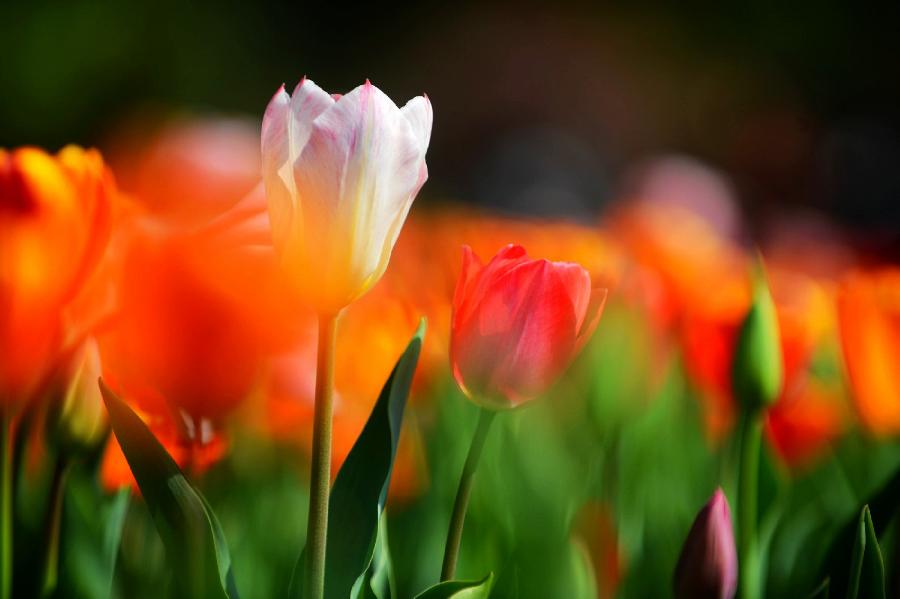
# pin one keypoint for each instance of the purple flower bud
(708, 566)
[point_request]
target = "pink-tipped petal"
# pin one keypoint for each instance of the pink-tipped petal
(357, 177)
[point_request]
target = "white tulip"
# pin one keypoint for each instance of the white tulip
(341, 173)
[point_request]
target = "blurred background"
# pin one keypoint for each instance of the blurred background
(656, 145)
(538, 108)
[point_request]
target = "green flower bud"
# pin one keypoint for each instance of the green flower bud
(81, 421)
(756, 372)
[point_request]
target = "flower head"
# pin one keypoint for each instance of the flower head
(341, 173)
(54, 224)
(708, 566)
(517, 323)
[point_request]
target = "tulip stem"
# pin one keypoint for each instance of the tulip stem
(6, 501)
(458, 518)
(320, 479)
(748, 496)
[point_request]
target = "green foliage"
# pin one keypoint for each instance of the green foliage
(360, 490)
(866, 565)
(459, 589)
(194, 542)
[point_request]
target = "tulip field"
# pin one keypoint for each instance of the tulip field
(275, 354)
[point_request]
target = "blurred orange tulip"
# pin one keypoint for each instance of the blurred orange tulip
(189, 170)
(55, 216)
(869, 313)
(116, 474)
(200, 302)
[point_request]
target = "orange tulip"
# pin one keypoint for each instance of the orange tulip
(189, 171)
(869, 314)
(201, 305)
(517, 323)
(55, 216)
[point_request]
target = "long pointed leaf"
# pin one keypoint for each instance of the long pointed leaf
(867, 565)
(882, 506)
(194, 542)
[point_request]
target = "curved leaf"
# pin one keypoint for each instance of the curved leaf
(460, 589)
(867, 565)
(359, 493)
(882, 507)
(378, 581)
(194, 541)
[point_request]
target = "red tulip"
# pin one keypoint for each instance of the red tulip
(517, 324)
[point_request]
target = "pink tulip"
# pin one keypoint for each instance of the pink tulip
(708, 565)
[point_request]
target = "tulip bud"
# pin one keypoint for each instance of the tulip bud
(517, 324)
(341, 173)
(708, 566)
(81, 421)
(757, 367)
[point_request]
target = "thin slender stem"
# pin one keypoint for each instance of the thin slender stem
(458, 518)
(6, 502)
(748, 496)
(52, 522)
(317, 524)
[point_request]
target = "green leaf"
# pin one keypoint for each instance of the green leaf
(882, 507)
(378, 582)
(360, 490)
(867, 565)
(194, 541)
(112, 538)
(460, 589)
(821, 591)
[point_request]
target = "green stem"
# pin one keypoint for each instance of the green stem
(458, 518)
(52, 523)
(748, 496)
(317, 524)
(6, 502)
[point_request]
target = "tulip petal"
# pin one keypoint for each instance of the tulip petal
(286, 127)
(418, 112)
(546, 339)
(592, 316)
(471, 267)
(356, 179)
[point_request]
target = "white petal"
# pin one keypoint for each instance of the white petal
(307, 102)
(286, 127)
(356, 178)
(275, 157)
(418, 112)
